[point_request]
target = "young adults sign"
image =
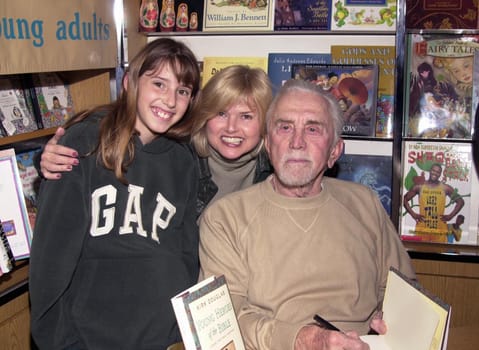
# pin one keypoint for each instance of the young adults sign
(48, 35)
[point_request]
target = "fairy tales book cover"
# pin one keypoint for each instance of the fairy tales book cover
(439, 193)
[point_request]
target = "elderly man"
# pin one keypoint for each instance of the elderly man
(300, 244)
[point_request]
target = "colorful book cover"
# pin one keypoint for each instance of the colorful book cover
(13, 210)
(385, 58)
(212, 65)
(368, 163)
(440, 14)
(16, 110)
(53, 99)
(237, 15)
(302, 15)
(440, 78)
(279, 65)
(206, 316)
(439, 189)
(30, 180)
(354, 86)
(364, 15)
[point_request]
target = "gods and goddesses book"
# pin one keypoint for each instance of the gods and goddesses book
(442, 77)
(439, 193)
(385, 58)
(354, 87)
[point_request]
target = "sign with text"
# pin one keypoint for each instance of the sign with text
(43, 36)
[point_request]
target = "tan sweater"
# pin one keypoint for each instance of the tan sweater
(286, 259)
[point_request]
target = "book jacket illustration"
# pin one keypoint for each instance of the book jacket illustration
(385, 58)
(354, 86)
(53, 98)
(302, 15)
(368, 163)
(206, 316)
(440, 14)
(439, 193)
(365, 15)
(16, 109)
(442, 83)
(238, 15)
(279, 65)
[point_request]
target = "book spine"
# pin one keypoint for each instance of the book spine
(30, 87)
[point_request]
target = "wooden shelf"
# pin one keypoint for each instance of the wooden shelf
(26, 136)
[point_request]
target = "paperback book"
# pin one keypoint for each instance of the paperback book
(354, 87)
(364, 15)
(385, 58)
(440, 14)
(30, 179)
(235, 15)
(13, 210)
(206, 317)
(16, 110)
(302, 15)
(212, 65)
(439, 193)
(368, 163)
(279, 65)
(442, 79)
(52, 99)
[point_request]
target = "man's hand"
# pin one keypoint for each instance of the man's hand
(312, 337)
(56, 159)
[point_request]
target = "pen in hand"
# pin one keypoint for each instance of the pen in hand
(325, 324)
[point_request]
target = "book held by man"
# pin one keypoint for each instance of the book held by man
(416, 319)
(206, 316)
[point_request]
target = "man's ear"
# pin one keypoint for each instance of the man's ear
(336, 152)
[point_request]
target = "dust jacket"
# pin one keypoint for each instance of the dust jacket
(206, 316)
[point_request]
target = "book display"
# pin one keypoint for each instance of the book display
(302, 15)
(355, 88)
(442, 80)
(212, 65)
(16, 109)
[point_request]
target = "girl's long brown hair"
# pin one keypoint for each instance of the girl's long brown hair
(115, 148)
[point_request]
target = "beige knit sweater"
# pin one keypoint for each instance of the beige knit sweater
(286, 259)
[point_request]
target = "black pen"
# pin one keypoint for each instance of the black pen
(325, 324)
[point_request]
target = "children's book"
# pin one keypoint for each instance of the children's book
(16, 110)
(212, 65)
(364, 15)
(279, 65)
(13, 210)
(439, 193)
(385, 58)
(302, 15)
(416, 319)
(52, 99)
(368, 163)
(441, 84)
(355, 88)
(440, 14)
(206, 316)
(235, 15)
(30, 180)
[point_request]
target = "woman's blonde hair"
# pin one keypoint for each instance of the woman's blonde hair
(231, 85)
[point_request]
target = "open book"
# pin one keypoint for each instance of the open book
(416, 320)
(206, 317)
